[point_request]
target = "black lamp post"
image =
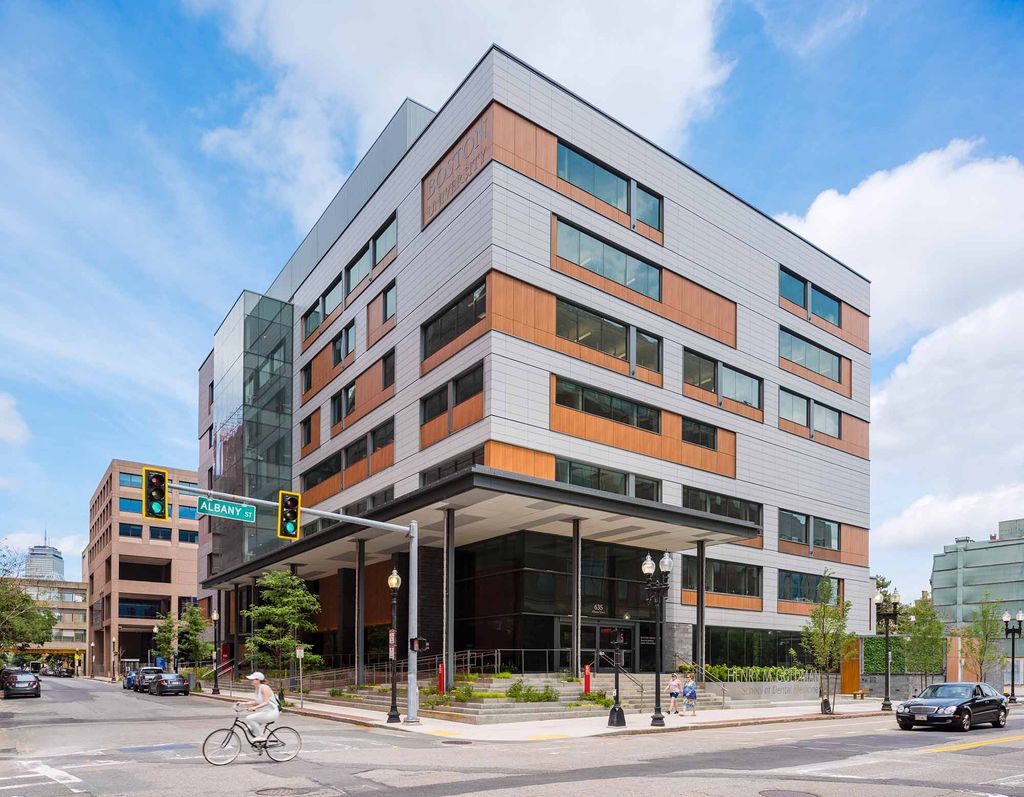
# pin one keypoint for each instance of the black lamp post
(616, 716)
(657, 589)
(394, 582)
(1013, 630)
(215, 616)
(887, 610)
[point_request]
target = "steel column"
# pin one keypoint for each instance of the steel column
(360, 610)
(448, 589)
(577, 596)
(698, 657)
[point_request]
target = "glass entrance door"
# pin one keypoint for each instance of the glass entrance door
(596, 647)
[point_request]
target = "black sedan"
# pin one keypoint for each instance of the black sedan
(144, 677)
(956, 705)
(22, 683)
(168, 683)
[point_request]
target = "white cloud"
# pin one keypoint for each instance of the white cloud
(802, 29)
(939, 237)
(341, 70)
(13, 428)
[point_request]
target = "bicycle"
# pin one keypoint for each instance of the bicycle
(223, 746)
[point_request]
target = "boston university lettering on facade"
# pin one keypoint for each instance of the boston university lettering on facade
(458, 167)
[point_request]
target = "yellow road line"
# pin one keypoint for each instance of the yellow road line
(444, 733)
(972, 745)
(546, 736)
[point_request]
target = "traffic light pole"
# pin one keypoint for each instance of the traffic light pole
(412, 534)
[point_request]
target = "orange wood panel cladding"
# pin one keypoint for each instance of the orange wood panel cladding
(323, 370)
(376, 326)
(854, 433)
(434, 430)
(723, 601)
(382, 458)
(854, 543)
(468, 412)
(327, 617)
(321, 492)
(795, 607)
(504, 456)
(314, 434)
(855, 328)
(369, 393)
(668, 445)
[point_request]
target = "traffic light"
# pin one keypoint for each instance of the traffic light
(289, 505)
(154, 501)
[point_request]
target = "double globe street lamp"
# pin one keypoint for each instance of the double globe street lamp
(1013, 631)
(394, 582)
(887, 610)
(215, 616)
(657, 589)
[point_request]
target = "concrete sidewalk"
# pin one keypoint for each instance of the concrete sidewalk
(578, 728)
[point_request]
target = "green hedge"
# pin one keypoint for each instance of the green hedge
(874, 654)
(725, 672)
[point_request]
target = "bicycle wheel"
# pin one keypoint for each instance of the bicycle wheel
(222, 747)
(283, 744)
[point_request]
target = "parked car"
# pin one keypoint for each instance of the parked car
(144, 676)
(66, 672)
(22, 683)
(128, 682)
(168, 683)
(954, 705)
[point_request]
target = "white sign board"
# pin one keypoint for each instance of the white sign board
(300, 652)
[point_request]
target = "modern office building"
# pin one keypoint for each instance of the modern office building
(557, 347)
(139, 571)
(67, 601)
(44, 561)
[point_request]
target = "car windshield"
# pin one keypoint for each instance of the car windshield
(946, 691)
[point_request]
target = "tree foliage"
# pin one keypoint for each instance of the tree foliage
(191, 645)
(926, 640)
(22, 621)
(981, 641)
(165, 638)
(285, 608)
(825, 638)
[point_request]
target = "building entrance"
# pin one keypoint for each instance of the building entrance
(596, 647)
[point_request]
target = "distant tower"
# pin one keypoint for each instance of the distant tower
(44, 561)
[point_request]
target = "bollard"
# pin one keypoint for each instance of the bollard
(440, 679)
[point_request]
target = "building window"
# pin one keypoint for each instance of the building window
(792, 526)
(792, 288)
(388, 369)
(718, 504)
(358, 270)
(648, 351)
(809, 355)
(700, 434)
(469, 384)
(133, 505)
(825, 307)
(130, 479)
(356, 452)
(383, 435)
(307, 431)
(648, 208)
(741, 387)
(129, 530)
(647, 488)
(826, 420)
(159, 533)
(804, 587)
(364, 505)
(307, 377)
(209, 478)
(349, 398)
(434, 404)
(209, 402)
(726, 578)
(591, 330)
(593, 178)
(792, 407)
(188, 536)
(826, 534)
(455, 319)
(337, 407)
(608, 261)
(385, 240)
(345, 343)
(187, 512)
(390, 301)
(699, 371)
(322, 471)
(209, 437)
(591, 476)
(335, 295)
(452, 466)
(311, 321)
(607, 405)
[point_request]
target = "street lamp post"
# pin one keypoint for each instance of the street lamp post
(92, 664)
(1013, 630)
(215, 616)
(113, 659)
(394, 582)
(156, 630)
(657, 589)
(616, 716)
(887, 610)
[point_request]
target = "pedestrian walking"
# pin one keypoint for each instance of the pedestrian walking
(690, 696)
(675, 688)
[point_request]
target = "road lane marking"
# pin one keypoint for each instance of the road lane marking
(972, 745)
(59, 776)
(546, 736)
(444, 733)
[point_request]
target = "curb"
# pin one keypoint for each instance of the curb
(743, 723)
(312, 712)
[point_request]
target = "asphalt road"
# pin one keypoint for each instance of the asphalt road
(85, 737)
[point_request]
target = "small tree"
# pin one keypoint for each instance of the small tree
(22, 621)
(925, 644)
(286, 607)
(166, 637)
(191, 645)
(825, 639)
(981, 642)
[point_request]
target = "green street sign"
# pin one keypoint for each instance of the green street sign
(229, 509)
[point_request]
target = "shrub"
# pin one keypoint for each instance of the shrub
(504, 675)
(462, 693)
(520, 692)
(339, 693)
(484, 695)
(597, 698)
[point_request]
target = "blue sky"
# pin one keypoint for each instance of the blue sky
(157, 158)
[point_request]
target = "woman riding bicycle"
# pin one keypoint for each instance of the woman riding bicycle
(264, 708)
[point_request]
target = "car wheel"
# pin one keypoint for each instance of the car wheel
(905, 726)
(1000, 720)
(965, 721)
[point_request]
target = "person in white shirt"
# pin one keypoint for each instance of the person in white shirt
(264, 708)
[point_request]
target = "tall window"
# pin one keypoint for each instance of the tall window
(792, 407)
(591, 330)
(306, 427)
(608, 261)
(130, 479)
(469, 384)
(337, 407)
(345, 343)
(741, 387)
(358, 269)
(825, 306)
(648, 351)
(335, 294)
(826, 420)
(434, 404)
(809, 355)
(727, 578)
(349, 398)
(648, 208)
(699, 371)
(792, 526)
(647, 488)
(804, 587)
(593, 178)
(385, 240)
(383, 435)
(307, 377)
(455, 319)
(826, 534)
(356, 452)
(607, 405)
(390, 301)
(700, 434)
(388, 369)
(718, 504)
(793, 288)
(311, 320)
(322, 471)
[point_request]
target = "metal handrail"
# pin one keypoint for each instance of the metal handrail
(704, 672)
(629, 677)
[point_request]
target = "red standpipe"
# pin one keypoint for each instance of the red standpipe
(440, 679)
(586, 678)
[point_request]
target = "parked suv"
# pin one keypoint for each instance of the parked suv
(144, 676)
